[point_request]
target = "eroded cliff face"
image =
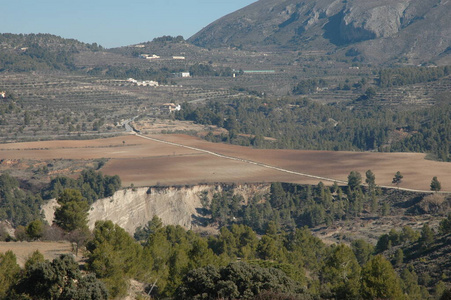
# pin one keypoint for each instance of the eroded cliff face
(130, 208)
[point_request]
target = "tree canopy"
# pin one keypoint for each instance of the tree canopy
(73, 212)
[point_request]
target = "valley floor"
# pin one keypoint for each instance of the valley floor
(172, 159)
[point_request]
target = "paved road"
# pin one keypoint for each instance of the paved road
(126, 124)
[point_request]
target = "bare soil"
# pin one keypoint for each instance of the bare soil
(23, 250)
(147, 162)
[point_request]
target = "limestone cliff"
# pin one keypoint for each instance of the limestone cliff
(382, 30)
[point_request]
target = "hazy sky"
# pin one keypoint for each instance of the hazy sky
(113, 23)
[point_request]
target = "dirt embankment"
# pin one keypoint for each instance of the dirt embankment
(130, 208)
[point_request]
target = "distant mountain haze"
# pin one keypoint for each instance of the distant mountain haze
(407, 31)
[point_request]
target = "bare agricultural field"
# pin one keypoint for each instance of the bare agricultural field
(23, 250)
(175, 159)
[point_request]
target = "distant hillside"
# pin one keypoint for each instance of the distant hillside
(29, 52)
(408, 31)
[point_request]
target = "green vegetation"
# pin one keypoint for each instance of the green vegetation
(17, 205)
(179, 263)
(435, 184)
(73, 211)
(302, 124)
(207, 70)
(59, 279)
(235, 281)
(291, 205)
(22, 207)
(31, 52)
(379, 280)
(289, 263)
(309, 86)
(410, 75)
(398, 178)
(169, 39)
(92, 184)
(162, 75)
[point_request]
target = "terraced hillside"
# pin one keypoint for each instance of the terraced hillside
(49, 106)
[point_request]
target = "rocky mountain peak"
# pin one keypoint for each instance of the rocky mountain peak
(382, 30)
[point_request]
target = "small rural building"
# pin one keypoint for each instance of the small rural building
(182, 74)
(148, 56)
(147, 83)
(178, 57)
(3, 94)
(143, 83)
(170, 107)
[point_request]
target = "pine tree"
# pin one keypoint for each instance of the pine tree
(398, 178)
(427, 236)
(379, 280)
(341, 273)
(73, 212)
(435, 184)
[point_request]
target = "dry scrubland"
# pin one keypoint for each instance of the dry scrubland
(146, 162)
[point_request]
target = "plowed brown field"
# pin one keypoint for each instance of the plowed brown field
(146, 162)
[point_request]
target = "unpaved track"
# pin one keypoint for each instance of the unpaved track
(241, 160)
(321, 178)
(176, 159)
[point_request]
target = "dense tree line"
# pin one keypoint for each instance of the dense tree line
(308, 86)
(409, 75)
(92, 184)
(41, 279)
(21, 206)
(176, 262)
(161, 75)
(29, 52)
(295, 124)
(432, 132)
(168, 39)
(289, 206)
(208, 70)
(302, 124)
(17, 205)
(173, 262)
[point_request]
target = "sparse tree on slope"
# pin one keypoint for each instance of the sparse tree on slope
(398, 178)
(354, 180)
(435, 184)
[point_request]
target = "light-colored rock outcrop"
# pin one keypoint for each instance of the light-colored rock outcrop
(382, 30)
(365, 22)
(130, 208)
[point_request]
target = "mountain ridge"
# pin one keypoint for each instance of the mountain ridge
(410, 31)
